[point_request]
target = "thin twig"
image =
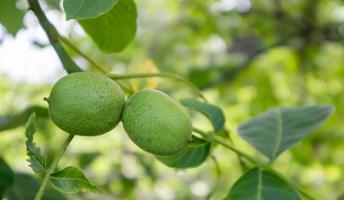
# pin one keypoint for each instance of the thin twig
(78, 51)
(219, 140)
(164, 75)
(92, 62)
(52, 167)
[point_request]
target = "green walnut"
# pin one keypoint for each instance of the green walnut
(86, 103)
(156, 123)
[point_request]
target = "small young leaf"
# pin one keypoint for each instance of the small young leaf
(6, 177)
(18, 119)
(193, 155)
(85, 9)
(263, 185)
(37, 160)
(114, 30)
(212, 112)
(276, 130)
(71, 180)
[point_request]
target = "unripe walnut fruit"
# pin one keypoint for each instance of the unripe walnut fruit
(156, 123)
(86, 103)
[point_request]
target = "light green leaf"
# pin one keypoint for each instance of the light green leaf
(276, 130)
(37, 160)
(10, 16)
(212, 112)
(114, 30)
(85, 9)
(193, 155)
(71, 180)
(263, 185)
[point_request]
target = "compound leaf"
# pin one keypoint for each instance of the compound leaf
(115, 29)
(263, 185)
(37, 160)
(193, 155)
(85, 9)
(276, 130)
(212, 112)
(71, 180)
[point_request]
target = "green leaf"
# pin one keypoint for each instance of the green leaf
(71, 179)
(114, 30)
(37, 160)
(212, 112)
(276, 130)
(193, 155)
(16, 120)
(6, 177)
(263, 185)
(10, 16)
(85, 9)
(25, 187)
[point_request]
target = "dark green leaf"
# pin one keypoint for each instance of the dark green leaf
(114, 30)
(276, 130)
(263, 185)
(85, 9)
(10, 16)
(212, 112)
(16, 120)
(72, 180)
(6, 177)
(37, 160)
(193, 155)
(25, 188)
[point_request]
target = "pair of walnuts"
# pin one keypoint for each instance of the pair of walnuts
(90, 104)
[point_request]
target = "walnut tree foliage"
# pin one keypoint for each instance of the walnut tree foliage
(271, 128)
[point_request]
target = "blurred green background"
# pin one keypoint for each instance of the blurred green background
(246, 56)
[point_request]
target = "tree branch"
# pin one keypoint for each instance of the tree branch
(78, 51)
(68, 64)
(163, 75)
